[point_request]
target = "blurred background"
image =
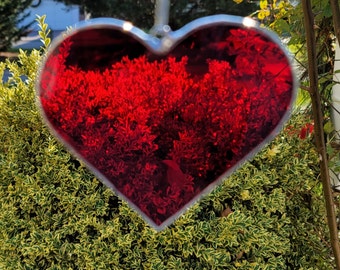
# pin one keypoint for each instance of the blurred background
(18, 28)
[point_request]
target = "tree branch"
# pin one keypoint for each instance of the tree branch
(336, 17)
(318, 123)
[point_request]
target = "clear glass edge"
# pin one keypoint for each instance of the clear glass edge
(156, 45)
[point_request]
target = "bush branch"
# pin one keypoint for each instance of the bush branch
(318, 123)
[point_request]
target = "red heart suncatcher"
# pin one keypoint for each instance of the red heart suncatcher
(162, 121)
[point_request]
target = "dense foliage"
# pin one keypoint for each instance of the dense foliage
(12, 13)
(286, 19)
(55, 215)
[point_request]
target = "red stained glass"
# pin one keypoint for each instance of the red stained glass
(161, 130)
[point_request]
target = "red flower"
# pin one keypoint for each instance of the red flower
(306, 130)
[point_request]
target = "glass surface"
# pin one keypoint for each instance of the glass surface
(161, 129)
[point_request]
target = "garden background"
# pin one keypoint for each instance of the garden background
(270, 214)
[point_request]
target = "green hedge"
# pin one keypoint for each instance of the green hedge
(56, 215)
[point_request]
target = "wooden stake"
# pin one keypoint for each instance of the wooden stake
(318, 125)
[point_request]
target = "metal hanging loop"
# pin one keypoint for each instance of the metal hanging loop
(161, 27)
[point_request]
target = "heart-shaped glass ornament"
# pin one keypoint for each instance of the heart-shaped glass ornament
(162, 120)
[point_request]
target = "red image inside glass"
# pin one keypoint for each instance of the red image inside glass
(160, 129)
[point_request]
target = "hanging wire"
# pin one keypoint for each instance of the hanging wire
(161, 26)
